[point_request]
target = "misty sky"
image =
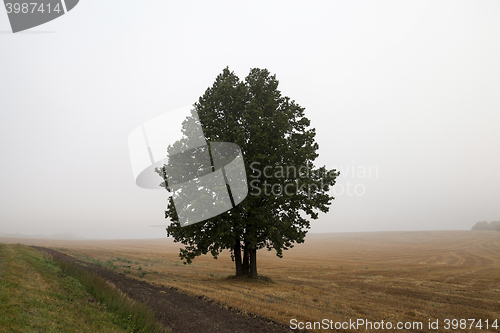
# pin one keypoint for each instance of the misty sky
(404, 96)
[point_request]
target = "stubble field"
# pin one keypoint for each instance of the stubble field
(389, 276)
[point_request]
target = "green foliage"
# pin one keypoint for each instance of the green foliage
(273, 133)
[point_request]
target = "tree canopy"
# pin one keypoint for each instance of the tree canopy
(485, 225)
(285, 188)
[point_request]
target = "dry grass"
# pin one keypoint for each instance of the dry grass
(396, 276)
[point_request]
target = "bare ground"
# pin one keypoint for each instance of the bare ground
(179, 312)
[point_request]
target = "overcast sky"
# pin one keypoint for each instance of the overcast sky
(404, 96)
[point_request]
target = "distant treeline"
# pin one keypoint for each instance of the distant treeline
(67, 235)
(483, 225)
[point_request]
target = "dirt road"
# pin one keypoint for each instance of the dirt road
(179, 312)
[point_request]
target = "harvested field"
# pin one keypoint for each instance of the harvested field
(390, 276)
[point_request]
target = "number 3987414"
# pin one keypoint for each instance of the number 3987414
(31, 7)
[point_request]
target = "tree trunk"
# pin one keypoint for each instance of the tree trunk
(246, 260)
(237, 258)
(253, 263)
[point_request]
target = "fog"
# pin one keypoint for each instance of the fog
(404, 97)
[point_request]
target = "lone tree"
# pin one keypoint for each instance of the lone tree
(284, 186)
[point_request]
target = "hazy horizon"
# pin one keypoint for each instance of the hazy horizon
(8, 238)
(403, 96)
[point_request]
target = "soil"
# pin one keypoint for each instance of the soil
(179, 312)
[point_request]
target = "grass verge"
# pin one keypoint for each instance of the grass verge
(40, 294)
(35, 296)
(134, 316)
